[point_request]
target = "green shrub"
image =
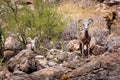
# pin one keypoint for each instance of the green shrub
(43, 21)
(1, 59)
(1, 41)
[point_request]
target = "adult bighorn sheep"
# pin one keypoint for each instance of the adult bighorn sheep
(85, 37)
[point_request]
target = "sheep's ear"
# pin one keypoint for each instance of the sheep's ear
(90, 21)
(79, 21)
(37, 37)
(29, 39)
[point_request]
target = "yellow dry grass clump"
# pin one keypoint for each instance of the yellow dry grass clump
(71, 9)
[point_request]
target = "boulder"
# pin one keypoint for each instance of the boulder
(8, 54)
(118, 11)
(24, 61)
(11, 43)
(97, 50)
(73, 45)
(98, 68)
(41, 61)
(50, 73)
(111, 1)
(19, 75)
(111, 41)
(56, 55)
(4, 73)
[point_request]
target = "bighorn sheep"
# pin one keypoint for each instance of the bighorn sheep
(85, 38)
(110, 21)
(31, 43)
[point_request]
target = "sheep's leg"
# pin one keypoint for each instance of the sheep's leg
(82, 50)
(80, 46)
(109, 27)
(88, 50)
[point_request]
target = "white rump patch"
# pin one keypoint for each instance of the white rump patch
(85, 47)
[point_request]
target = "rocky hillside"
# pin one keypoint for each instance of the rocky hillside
(69, 58)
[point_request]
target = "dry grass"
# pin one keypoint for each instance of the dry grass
(69, 8)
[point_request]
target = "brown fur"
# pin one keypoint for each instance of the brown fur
(85, 37)
(110, 21)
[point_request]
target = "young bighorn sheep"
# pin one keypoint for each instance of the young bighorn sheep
(85, 38)
(110, 21)
(31, 43)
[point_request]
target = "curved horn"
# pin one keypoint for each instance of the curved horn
(35, 38)
(29, 38)
(79, 20)
(90, 20)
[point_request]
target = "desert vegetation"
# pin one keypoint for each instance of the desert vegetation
(59, 40)
(43, 22)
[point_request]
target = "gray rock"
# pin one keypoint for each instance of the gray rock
(112, 41)
(111, 1)
(61, 57)
(41, 61)
(51, 63)
(19, 77)
(24, 61)
(7, 55)
(48, 74)
(11, 43)
(113, 78)
(97, 50)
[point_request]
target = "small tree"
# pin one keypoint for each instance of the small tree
(1, 45)
(1, 42)
(44, 21)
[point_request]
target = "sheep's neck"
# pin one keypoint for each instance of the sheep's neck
(86, 33)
